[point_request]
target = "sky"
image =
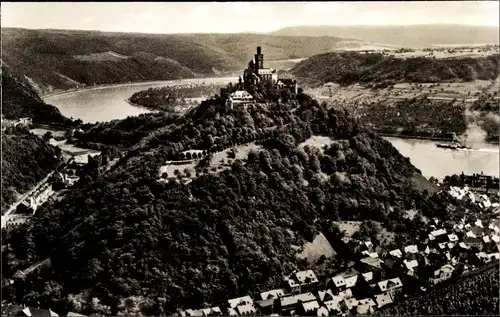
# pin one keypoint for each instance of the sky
(234, 17)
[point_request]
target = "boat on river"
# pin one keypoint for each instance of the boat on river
(452, 146)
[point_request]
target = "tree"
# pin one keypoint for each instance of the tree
(47, 136)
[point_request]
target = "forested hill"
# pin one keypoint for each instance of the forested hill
(351, 67)
(20, 100)
(138, 244)
(59, 59)
(407, 35)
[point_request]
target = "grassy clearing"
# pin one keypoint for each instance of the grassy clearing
(220, 161)
(312, 251)
(348, 227)
(317, 141)
(421, 183)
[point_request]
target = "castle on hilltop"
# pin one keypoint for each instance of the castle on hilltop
(256, 72)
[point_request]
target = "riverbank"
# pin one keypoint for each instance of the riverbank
(132, 84)
(416, 137)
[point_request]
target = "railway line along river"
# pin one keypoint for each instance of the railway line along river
(109, 103)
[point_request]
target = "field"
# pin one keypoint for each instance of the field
(220, 161)
(312, 251)
(317, 141)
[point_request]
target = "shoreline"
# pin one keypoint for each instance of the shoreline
(131, 84)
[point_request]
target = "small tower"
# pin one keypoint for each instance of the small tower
(259, 60)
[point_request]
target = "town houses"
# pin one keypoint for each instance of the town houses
(379, 277)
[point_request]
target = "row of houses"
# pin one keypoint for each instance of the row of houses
(379, 277)
(482, 200)
(15, 310)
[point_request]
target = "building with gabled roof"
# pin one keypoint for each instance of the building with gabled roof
(308, 307)
(275, 293)
(301, 281)
(325, 296)
(348, 304)
(245, 310)
(411, 249)
(244, 300)
(396, 253)
(192, 313)
(338, 282)
(334, 304)
(392, 286)
(383, 299)
(322, 311)
(290, 302)
(212, 311)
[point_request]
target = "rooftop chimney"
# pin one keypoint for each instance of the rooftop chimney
(259, 50)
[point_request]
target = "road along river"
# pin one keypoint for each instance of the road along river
(109, 103)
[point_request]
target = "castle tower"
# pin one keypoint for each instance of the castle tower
(259, 60)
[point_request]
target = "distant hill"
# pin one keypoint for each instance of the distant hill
(61, 59)
(409, 35)
(347, 68)
(19, 100)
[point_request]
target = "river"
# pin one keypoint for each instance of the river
(109, 103)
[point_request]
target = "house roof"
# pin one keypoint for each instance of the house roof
(346, 294)
(240, 301)
(439, 232)
(390, 284)
(427, 250)
(325, 295)
(351, 281)
(275, 293)
(265, 303)
(411, 264)
(232, 312)
(192, 312)
(211, 311)
(307, 276)
(495, 238)
(240, 94)
(292, 300)
(333, 305)
(368, 276)
(73, 314)
(322, 311)
(246, 309)
(396, 252)
(375, 262)
(350, 302)
(363, 309)
(411, 249)
(367, 301)
(383, 299)
(310, 306)
(338, 280)
(453, 237)
(486, 239)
